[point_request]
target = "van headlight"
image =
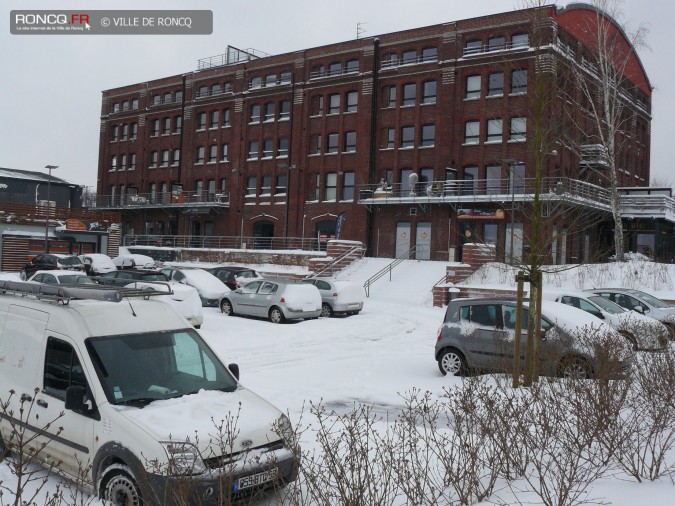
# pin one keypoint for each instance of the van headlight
(184, 459)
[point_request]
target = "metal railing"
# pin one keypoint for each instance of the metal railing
(357, 250)
(163, 199)
(382, 272)
(225, 242)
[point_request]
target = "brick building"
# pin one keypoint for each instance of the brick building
(422, 138)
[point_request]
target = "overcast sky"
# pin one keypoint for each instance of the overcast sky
(51, 84)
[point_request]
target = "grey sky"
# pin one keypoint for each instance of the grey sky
(51, 85)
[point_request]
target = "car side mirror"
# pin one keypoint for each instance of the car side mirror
(238, 290)
(234, 369)
(638, 309)
(599, 315)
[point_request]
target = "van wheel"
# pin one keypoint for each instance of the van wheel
(120, 489)
(226, 307)
(575, 368)
(276, 315)
(452, 362)
(326, 310)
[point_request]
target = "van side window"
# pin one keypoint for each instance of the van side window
(62, 369)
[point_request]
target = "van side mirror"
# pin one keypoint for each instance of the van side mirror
(75, 398)
(234, 369)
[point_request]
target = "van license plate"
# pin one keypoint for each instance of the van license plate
(256, 479)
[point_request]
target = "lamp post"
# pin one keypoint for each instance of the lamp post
(512, 164)
(49, 187)
(288, 191)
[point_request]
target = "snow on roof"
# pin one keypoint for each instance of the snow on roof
(31, 176)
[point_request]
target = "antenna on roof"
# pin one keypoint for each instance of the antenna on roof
(360, 30)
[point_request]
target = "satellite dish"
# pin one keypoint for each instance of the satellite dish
(413, 178)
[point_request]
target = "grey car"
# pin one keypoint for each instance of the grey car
(273, 299)
(478, 335)
(338, 297)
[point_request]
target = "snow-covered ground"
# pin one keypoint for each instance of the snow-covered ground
(380, 354)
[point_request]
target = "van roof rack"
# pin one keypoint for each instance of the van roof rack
(64, 294)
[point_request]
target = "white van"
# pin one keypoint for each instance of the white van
(146, 408)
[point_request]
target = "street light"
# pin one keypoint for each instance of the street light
(49, 187)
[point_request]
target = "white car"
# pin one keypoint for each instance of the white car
(643, 332)
(96, 264)
(209, 287)
(183, 298)
(338, 297)
(134, 261)
(62, 278)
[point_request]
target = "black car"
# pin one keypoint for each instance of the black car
(51, 262)
(124, 277)
(232, 276)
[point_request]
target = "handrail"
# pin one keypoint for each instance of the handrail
(442, 280)
(388, 268)
(336, 261)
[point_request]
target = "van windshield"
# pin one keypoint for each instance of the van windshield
(136, 369)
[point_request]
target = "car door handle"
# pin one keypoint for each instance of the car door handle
(42, 403)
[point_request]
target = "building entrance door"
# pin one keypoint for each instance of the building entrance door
(402, 238)
(423, 241)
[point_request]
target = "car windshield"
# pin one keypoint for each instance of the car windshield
(154, 277)
(649, 299)
(607, 305)
(70, 261)
(136, 369)
(79, 280)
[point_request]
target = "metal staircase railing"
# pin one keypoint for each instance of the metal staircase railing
(357, 249)
(388, 269)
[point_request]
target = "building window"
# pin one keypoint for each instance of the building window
(428, 138)
(350, 142)
(125, 132)
(519, 81)
(520, 40)
(405, 181)
(493, 176)
(518, 128)
(115, 133)
(203, 92)
(266, 186)
(470, 180)
(269, 111)
(153, 158)
(390, 96)
(123, 162)
(226, 118)
(285, 77)
(213, 153)
(429, 92)
(270, 80)
(390, 132)
(253, 150)
(134, 104)
(224, 152)
(176, 157)
(223, 185)
(407, 136)
(178, 124)
(165, 158)
(471, 132)
(132, 161)
(494, 130)
(134, 131)
(156, 100)
(335, 69)
(201, 121)
(331, 187)
(348, 186)
(251, 185)
(352, 66)
(166, 126)
(113, 163)
(201, 151)
(215, 89)
(332, 143)
(268, 151)
(256, 82)
(179, 96)
(472, 87)
(334, 103)
(409, 94)
(351, 101)
(215, 119)
(154, 129)
(429, 54)
(317, 71)
(317, 105)
(281, 184)
(315, 145)
(409, 56)
(496, 84)
(282, 147)
(473, 46)
(168, 97)
(255, 114)
(284, 109)
(496, 43)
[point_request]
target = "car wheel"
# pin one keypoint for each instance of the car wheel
(276, 315)
(23, 275)
(326, 310)
(452, 362)
(226, 307)
(120, 489)
(575, 368)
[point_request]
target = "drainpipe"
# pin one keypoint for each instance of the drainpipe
(373, 139)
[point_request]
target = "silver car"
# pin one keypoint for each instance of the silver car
(273, 299)
(338, 297)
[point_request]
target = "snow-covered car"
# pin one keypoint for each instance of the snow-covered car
(273, 299)
(96, 264)
(62, 278)
(126, 276)
(134, 261)
(234, 276)
(643, 332)
(478, 335)
(183, 298)
(338, 297)
(643, 303)
(209, 287)
(51, 261)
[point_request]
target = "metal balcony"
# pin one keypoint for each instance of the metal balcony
(163, 200)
